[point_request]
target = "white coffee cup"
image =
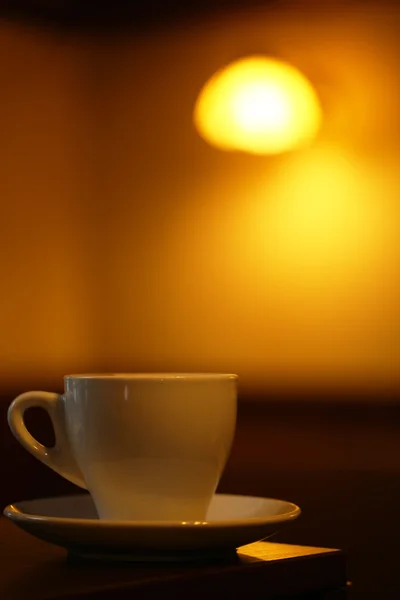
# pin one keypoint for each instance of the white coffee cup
(146, 446)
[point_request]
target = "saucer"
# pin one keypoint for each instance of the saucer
(72, 522)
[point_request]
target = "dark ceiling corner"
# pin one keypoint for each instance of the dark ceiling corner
(98, 15)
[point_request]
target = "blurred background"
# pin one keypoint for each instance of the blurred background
(129, 243)
(131, 240)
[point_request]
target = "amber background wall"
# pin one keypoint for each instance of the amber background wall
(127, 243)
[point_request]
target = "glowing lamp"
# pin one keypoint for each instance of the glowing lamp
(258, 105)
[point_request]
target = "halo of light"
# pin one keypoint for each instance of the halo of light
(258, 105)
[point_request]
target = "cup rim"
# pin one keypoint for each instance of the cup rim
(155, 376)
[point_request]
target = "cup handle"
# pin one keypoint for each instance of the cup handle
(60, 457)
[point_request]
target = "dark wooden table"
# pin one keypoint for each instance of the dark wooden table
(34, 570)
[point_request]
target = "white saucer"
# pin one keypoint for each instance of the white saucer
(72, 522)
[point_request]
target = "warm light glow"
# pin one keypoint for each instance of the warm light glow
(161, 254)
(258, 105)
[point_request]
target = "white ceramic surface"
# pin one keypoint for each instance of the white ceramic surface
(146, 446)
(232, 521)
